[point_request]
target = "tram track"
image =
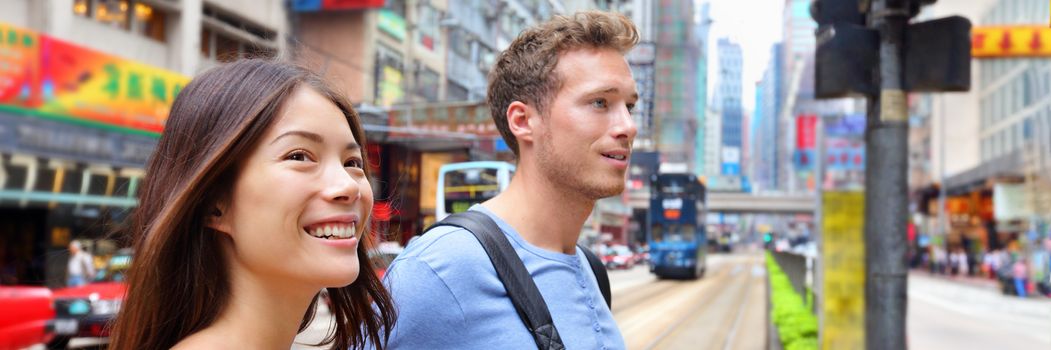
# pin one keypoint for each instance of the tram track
(666, 315)
(719, 312)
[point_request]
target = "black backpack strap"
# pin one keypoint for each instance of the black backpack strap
(600, 275)
(520, 287)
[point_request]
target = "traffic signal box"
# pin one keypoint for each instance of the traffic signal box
(937, 53)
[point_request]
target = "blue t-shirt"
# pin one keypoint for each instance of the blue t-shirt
(448, 295)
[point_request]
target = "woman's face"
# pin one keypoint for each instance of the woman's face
(301, 199)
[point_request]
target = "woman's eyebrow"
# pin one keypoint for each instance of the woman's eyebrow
(317, 138)
(304, 134)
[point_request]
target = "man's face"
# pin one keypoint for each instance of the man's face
(584, 143)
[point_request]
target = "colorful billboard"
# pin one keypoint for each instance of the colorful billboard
(54, 79)
(334, 5)
(1011, 41)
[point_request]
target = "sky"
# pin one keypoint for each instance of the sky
(756, 25)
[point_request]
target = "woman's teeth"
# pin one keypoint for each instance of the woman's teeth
(333, 231)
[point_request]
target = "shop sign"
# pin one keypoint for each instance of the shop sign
(1011, 41)
(460, 118)
(60, 140)
(390, 86)
(393, 24)
(54, 79)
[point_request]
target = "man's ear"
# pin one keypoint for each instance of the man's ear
(219, 218)
(521, 119)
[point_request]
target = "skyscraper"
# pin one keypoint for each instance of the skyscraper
(769, 101)
(728, 98)
(675, 118)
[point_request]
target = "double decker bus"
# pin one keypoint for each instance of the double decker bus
(676, 235)
(461, 185)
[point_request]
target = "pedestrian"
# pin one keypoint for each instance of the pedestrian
(1020, 274)
(80, 269)
(256, 198)
(561, 96)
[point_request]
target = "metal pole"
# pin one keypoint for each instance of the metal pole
(886, 203)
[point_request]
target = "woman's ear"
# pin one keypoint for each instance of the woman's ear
(519, 118)
(218, 218)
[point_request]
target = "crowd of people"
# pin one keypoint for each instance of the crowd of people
(1020, 272)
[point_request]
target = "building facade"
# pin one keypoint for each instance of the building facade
(73, 146)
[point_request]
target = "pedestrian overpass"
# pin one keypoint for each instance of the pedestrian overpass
(745, 203)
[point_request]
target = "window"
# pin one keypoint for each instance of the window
(129, 15)
(226, 37)
(1027, 129)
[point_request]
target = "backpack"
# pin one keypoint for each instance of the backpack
(512, 272)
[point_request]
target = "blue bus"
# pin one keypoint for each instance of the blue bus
(676, 235)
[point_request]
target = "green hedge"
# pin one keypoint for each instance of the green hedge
(796, 325)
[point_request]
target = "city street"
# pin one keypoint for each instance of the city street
(724, 310)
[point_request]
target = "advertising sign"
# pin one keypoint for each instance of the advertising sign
(1010, 202)
(327, 5)
(393, 24)
(843, 254)
(805, 133)
(54, 79)
(731, 161)
(1011, 41)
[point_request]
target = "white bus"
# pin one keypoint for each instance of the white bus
(461, 185)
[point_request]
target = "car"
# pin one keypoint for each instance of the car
(619, 257)
(88, 310)
(27, 316)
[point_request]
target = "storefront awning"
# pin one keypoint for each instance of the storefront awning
(1006, 166)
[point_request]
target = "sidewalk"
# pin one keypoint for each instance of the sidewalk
(970, 281)
(970, 313)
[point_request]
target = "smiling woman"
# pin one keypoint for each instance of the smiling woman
(257, 197)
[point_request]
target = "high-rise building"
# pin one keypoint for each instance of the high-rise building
(769, 99)
(703, 27)
(677, 54)
(728, 98)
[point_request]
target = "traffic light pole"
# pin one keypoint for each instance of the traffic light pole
(886, 203)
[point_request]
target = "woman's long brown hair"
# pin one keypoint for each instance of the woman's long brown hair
(179, 282)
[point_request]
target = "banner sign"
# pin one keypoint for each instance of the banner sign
(806, 136)
(843, 252)
(1011, 41)
(59, 80)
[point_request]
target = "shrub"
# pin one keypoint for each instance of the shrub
(796, 325)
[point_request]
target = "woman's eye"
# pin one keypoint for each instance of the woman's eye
(631, 107)
(353, 163)
(599, 103)
(298, 156)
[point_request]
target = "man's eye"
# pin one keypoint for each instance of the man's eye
(599, 103)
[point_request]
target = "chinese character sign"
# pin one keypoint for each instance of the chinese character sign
(49, 77)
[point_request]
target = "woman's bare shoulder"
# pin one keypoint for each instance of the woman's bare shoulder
(203, 340)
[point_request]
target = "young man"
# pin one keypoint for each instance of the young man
(561, 96)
